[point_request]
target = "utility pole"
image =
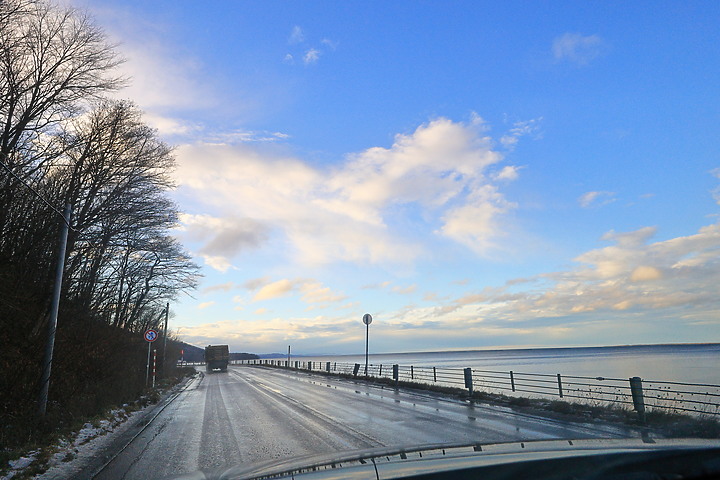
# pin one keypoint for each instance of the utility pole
(162, 366)
(54, 307)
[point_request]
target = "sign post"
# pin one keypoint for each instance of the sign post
(367, 320)
(149, 336)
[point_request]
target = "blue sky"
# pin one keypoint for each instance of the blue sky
(473, 174)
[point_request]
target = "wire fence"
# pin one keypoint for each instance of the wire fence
(634, 393)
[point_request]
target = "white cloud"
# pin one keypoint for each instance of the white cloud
(296, 35)
(405, 290)
(221, 264)
(274, 290)
(644, 273)
(330, 43)
(244, 136)
(520, 129)
(160, 79)
(312, 50)
(577, 48)
(315, 292)
(312, 291)
(311, 56)
(264, 335)
(205, 305)
(168, 126)
(377, 286)
(474, 224)
(170, 85)
(222, 238)
(526, 127)
(596, 199)
(630, 281)
(716, 191)
(630, 239)
(344, 212)
(631, 286)
(509, 172)
(255, 283)
(222, 287)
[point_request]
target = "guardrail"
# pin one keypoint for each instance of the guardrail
(184, 363)
(636, 393)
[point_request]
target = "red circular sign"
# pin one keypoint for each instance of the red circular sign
(151, 335)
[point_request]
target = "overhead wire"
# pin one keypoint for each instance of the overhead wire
(37, 194)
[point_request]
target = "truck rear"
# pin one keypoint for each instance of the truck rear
(217, 357)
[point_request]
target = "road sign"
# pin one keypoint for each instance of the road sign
(151, 335)
(367, 319)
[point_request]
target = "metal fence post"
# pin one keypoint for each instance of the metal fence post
(327, 366)
(468, 379)
(560, 385)
(637, 397)
(355, 370)
(380, 374)
(396, 373)
(412, 373)
(434, 375)
(512, 381)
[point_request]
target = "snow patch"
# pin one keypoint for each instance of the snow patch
(83, 445)
(20, 464)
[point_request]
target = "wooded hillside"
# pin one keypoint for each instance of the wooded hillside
(63, 141)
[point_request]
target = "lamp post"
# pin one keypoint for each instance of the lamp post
(367, 320)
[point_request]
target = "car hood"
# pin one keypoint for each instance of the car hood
(595, 458)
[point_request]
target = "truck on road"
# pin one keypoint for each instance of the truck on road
(217, 357)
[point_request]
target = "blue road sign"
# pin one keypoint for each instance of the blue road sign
(151, 335)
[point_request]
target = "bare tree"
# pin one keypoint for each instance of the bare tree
(115, 171)
(59, 136)
(53, 59)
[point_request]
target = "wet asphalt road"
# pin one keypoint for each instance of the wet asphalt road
(254, 414)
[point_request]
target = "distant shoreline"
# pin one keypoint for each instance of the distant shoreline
(495, 349)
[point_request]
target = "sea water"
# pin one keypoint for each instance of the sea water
(691, 363)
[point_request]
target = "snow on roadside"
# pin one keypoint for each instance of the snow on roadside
(70, 458)
(20, 464)
(73, 453)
